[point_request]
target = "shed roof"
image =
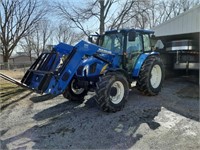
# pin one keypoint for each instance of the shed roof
(187, 22)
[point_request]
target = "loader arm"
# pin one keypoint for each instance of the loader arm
(52, 72)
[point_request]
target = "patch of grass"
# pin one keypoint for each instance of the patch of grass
(11, 93)
(16, 74)
(9, 90)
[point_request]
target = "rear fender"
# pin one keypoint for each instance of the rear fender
(140, 61)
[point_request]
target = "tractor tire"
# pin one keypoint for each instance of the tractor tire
(112, 92)
(151, 76)
(74, 94)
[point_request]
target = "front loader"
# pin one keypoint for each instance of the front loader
(107, 67)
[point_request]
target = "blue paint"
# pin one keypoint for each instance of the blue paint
(52, 72)
(140, 61)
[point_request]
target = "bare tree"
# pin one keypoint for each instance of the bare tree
(16, 18)
(147, 14)
(115, 14)
(123, 16)
(46, 31)
(95, 9)
(36, 42)
(28, 46)
(65, 34)
(161, 11)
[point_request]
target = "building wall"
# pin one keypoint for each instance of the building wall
(187, 22)
(21, 60)
(18, 59)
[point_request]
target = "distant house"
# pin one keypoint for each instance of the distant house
(17, 61)
(21, 59)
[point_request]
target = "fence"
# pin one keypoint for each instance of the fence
(11, 66)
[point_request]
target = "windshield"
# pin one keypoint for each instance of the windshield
(113, 42)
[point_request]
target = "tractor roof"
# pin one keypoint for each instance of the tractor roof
(128, 30)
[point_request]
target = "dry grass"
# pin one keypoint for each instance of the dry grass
(17, 74)
(7, 89)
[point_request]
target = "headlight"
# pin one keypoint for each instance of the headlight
(85, 70)
(92, 68)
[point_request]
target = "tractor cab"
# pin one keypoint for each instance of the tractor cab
(128, 43)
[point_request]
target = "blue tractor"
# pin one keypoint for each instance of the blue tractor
(107, 67)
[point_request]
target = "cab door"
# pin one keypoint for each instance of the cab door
(146, 41)
(133, 51)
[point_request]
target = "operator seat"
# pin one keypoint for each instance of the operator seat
(131, 50)
(131, 59)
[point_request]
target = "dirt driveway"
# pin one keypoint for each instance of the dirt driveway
(167, 121)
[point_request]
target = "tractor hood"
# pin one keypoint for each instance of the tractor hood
(93, 66)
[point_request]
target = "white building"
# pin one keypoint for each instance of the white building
(185, 25)
(184, 28)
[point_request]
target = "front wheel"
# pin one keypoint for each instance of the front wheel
(151, 76)
(73, 92)
(111, 92)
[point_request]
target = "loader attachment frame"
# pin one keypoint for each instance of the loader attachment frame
(40, 73)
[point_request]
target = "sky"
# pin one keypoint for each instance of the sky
(90, 24)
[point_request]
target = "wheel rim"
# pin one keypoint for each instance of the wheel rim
(118, 94)
(76, 90)
(156, 75)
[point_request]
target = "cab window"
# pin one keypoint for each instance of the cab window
(146, 40)
(134, 46)
(134, 49)
(113, 42)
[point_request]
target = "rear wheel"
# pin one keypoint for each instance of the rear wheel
(151, 76)
(111, 92)
(73, 92)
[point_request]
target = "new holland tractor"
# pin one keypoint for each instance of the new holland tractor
(106, 67)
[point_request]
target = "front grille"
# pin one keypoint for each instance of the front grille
(92, 68)
(80, 70)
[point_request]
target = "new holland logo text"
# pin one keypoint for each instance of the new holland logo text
(104, 51)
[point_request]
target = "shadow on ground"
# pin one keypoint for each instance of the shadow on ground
(42, 98)
(181, 95)
(72, 125)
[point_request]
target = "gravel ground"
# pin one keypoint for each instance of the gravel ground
(167, 121)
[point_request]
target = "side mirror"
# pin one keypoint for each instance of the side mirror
(90, 39)
(131, 36)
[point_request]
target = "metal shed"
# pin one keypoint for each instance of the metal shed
(181, 38)
(187, 22)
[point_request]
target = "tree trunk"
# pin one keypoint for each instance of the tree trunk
(30, 56)
(6, 60)
(102, 9)
(5, 56)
